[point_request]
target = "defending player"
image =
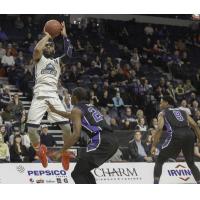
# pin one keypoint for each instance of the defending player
(103, 143)
(180, 137)
(47, 72)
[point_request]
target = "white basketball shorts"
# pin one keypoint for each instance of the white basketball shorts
(39, 108)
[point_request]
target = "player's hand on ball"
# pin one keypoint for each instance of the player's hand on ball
(51, 107)
(153, 150)
(63, 32)
(46, 33)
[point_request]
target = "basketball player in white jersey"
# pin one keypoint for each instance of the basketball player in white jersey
(47, 72)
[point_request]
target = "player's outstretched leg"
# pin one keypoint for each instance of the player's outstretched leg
(41, 150)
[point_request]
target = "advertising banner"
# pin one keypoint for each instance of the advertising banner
(109, 173)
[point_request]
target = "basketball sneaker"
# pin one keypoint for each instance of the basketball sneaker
(66, 157)
(42, 153)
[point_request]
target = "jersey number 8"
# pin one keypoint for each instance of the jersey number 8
(178, 115)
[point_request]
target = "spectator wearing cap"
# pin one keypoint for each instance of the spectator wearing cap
(46, 138)
(4, 151)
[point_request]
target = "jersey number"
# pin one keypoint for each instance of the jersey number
(178, 115)
(95, 114)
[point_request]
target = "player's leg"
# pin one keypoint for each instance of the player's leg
(57, 119)
(64, 126)
(82, 172)
(188, 152)
(35, 115)
(170, 151)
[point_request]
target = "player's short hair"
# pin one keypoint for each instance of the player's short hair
(80, 93)
(169, 100)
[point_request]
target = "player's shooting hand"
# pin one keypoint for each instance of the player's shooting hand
(63, 31)
(153, 150)
(51, 107)
(46, 33)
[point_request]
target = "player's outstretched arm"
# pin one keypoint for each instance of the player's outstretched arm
(158, 133)
(61, 113)
(67, 44)
(37, 53)
(194, 126)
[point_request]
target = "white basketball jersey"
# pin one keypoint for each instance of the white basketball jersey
(47, 73)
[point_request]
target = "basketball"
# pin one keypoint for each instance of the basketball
(53, 27)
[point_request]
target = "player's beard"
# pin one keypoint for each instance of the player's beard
(48, 54)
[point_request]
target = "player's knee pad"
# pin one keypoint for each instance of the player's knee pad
(33, 135)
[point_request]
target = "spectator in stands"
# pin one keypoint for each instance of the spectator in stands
(16, 108)
(12, 49)
(3, 35)
(93, 98)
(5, 97)
(105, 115)
(19, 24)
(154, 123)
(118, 101)
(141, 126)
(2, 51)
(184, 58)
(140, 114)
(148, 144)
(137, 149)
(32, 46)
(188, 87)
(8, 60)
(114, 124)
(4, 151)
(159, 93)
(4, 133)
(18, 152)
(171, 91)
(135, 57)
(184, 107)
(20, 60)
(128, 120)
(104, 99)
(149, 30)
(180, 92)
(46, 138)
